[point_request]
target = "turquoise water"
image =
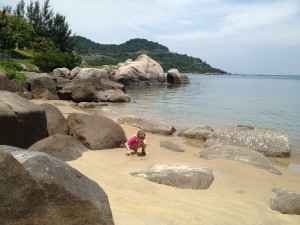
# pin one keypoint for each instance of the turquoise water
(265, 101)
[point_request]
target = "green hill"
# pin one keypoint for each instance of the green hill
(96, 54)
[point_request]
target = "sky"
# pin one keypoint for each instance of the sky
(238, 36)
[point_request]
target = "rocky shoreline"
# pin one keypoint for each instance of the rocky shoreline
(62, 165)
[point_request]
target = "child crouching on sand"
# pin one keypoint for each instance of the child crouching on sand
(135, 142)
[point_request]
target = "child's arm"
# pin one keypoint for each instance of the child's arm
(128, 148)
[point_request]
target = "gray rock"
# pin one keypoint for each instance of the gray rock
(74, 72)
(87, 90)
(61, 72)
(45, 190)
(56, 122)
(286, 202)
(113, 96)
(96, 132)
(22, 122)
(270, 142)
(14, 86)
(42, 86)
(149, 125)
(242, 154)
(89, 105)
(183, 177)
(91, 72)
(199, 133)
(175, 77)
(143, 70)
(172, 146)
(64, 147)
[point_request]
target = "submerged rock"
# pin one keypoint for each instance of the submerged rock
(242, 154)
(175, 77)
(172, 146)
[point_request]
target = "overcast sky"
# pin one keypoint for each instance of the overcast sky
(238, 36)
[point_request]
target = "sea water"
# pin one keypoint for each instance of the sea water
(218, 100)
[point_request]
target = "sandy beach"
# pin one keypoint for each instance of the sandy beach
(239, 194)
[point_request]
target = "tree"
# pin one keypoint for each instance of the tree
(20, 9)
(48, 26)
(14, 31)
(33, 16)
(61, 34)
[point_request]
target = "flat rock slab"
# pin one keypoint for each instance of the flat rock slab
(172, 146)
(149, 125)
(242, 154)
(270, 142)
(183, 177)
(286, 202)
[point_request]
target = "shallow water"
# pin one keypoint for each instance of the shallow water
(264, 101)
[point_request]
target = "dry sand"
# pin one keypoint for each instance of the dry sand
(239, 194)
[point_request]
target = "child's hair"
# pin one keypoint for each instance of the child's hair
(141, 134)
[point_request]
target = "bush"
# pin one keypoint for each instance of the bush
(49, 60)
(11, 68)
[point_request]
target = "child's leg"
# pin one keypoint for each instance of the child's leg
(144, 148)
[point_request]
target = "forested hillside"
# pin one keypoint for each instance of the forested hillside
(96, 54)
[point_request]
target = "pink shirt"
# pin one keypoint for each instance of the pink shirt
(132, 140)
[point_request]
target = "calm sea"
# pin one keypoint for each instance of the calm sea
(218, 100)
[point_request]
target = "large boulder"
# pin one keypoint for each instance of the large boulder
(56, 122)
(61, 72)
(149, 125)
(242, 154)
(286, 202)
(175, 77)
(199, 133)
(142, 70)
(183, 177)
(22, 122)
(41, 86)
(96, 132)
(270, 142)
(14, 86)
(91, 72)
(41, 189)
(89, 89)
(64, 147)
